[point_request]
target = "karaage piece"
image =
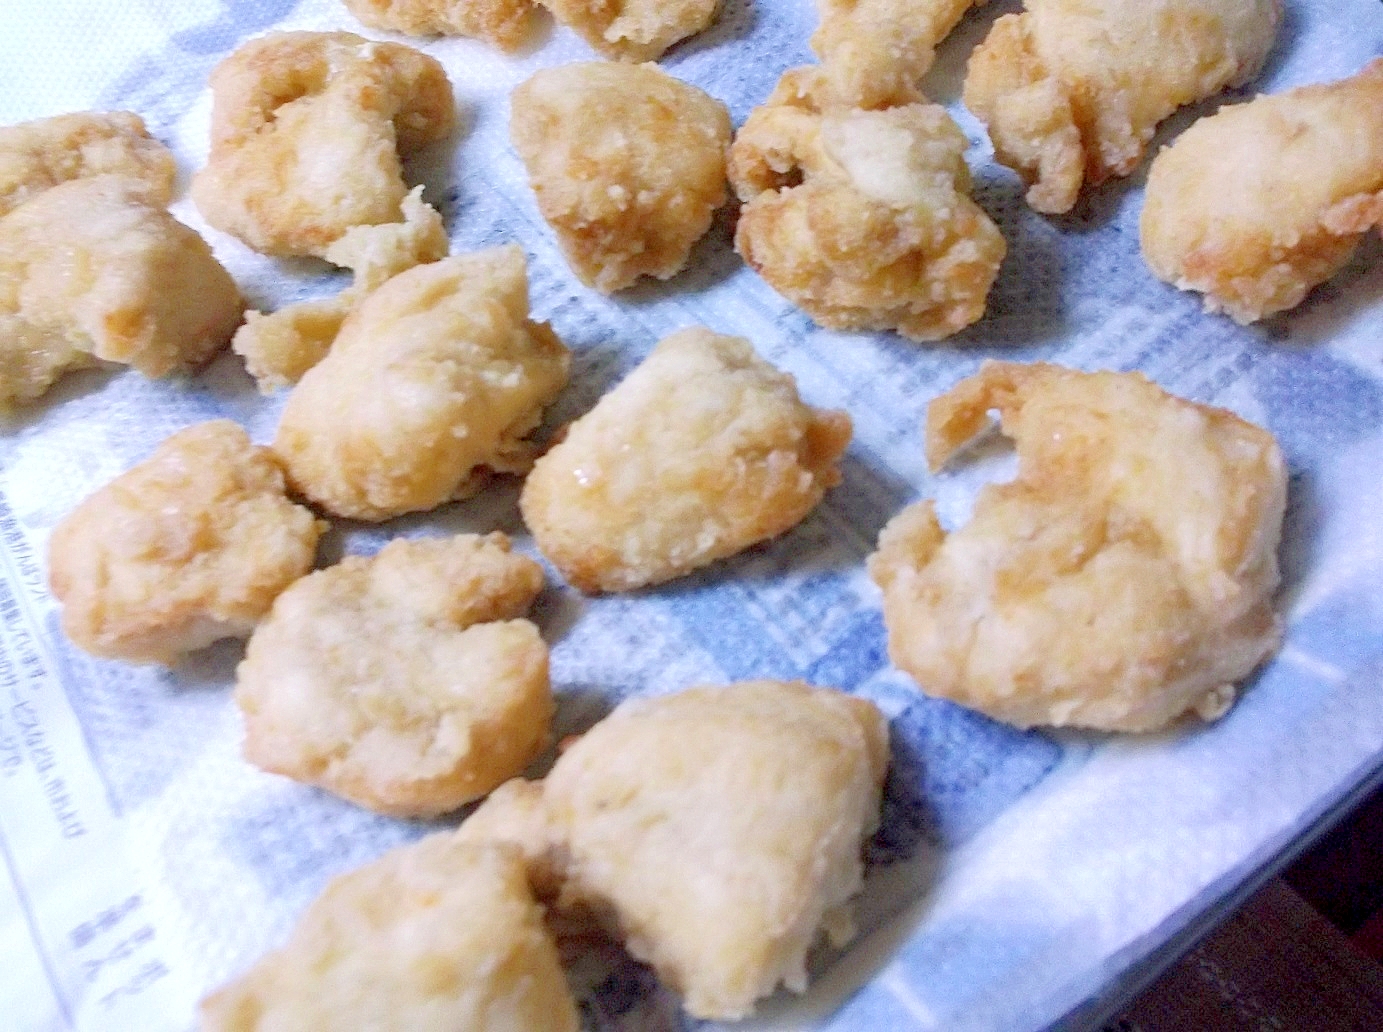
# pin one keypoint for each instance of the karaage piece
(280, 347)
(628, 165)
(96, 268)
(36, 156)
(438, 934)
(634, 30)
(433, 382)
(1123, 579)
(863, 218)
(722, 829)
(876, 51)
(404, 682)
(702, 451)
(502, 23)
(1072, 90)
(1262, 201)
(307, 134)
(190, 546)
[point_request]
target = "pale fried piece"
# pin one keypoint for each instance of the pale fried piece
(307, 131)
(38, 155)
(720, 829)
(404, 682)
(863, 217)
(1072, 90)
(1124, 578)
(439, 935)
(189, 546)
(628, 165)
(1262, 201)
(96, 268)
(876, 51)
(433, 382)
(702, 451)
(634, 30)
(278, 348)
(502, 23)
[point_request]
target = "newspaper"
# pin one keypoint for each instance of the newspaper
(1017, 876)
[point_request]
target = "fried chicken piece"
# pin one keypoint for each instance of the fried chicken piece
(190, 546)
(280, 347)
(1124, 578)
(863, 217)
(433, 382)
(96, 268)
(702, 451)
(1072, 90)
(634, 30)
(404, 682)
(876, 51)
(36, 156)
(628, 165)
(307, 134)
(717, 831)
(438, 934)
(502, 23)
(1262, 201)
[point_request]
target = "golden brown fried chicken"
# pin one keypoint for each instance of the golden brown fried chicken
(501, 23)
(634, 30)
(307, 134)
(628, 165)
(190, 546)
(433, 382)
(863, 217)
(1072, 90)
(1124, 578)
(1262, 201)
(702, 451)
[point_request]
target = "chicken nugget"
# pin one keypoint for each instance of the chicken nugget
(432, 383)
(439, 934)
(307, 134)
(628, 165)
(404, 682)
(702, 451)
(1124, 578)
(863, 218)
(96, 268)
(190, 546)
(1262, 201)
(502, 23)
(1072, 90)
(634, 30)
(876, 51)
(38, 155)
(280, 347)
(720, 829)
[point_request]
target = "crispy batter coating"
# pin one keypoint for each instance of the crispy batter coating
(1123, 579)
(863, 217)
(439, 935)
(1262, 201)
(433, 382)
(405, 682)
(502, 23)
(96, 268)
(36, 156)
(628, 165)
(702, 451)
(1072, 90)
(876, 51)
(634, 30)
(307, 132)
(189, 546)
(718, 831)
(280, 347)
